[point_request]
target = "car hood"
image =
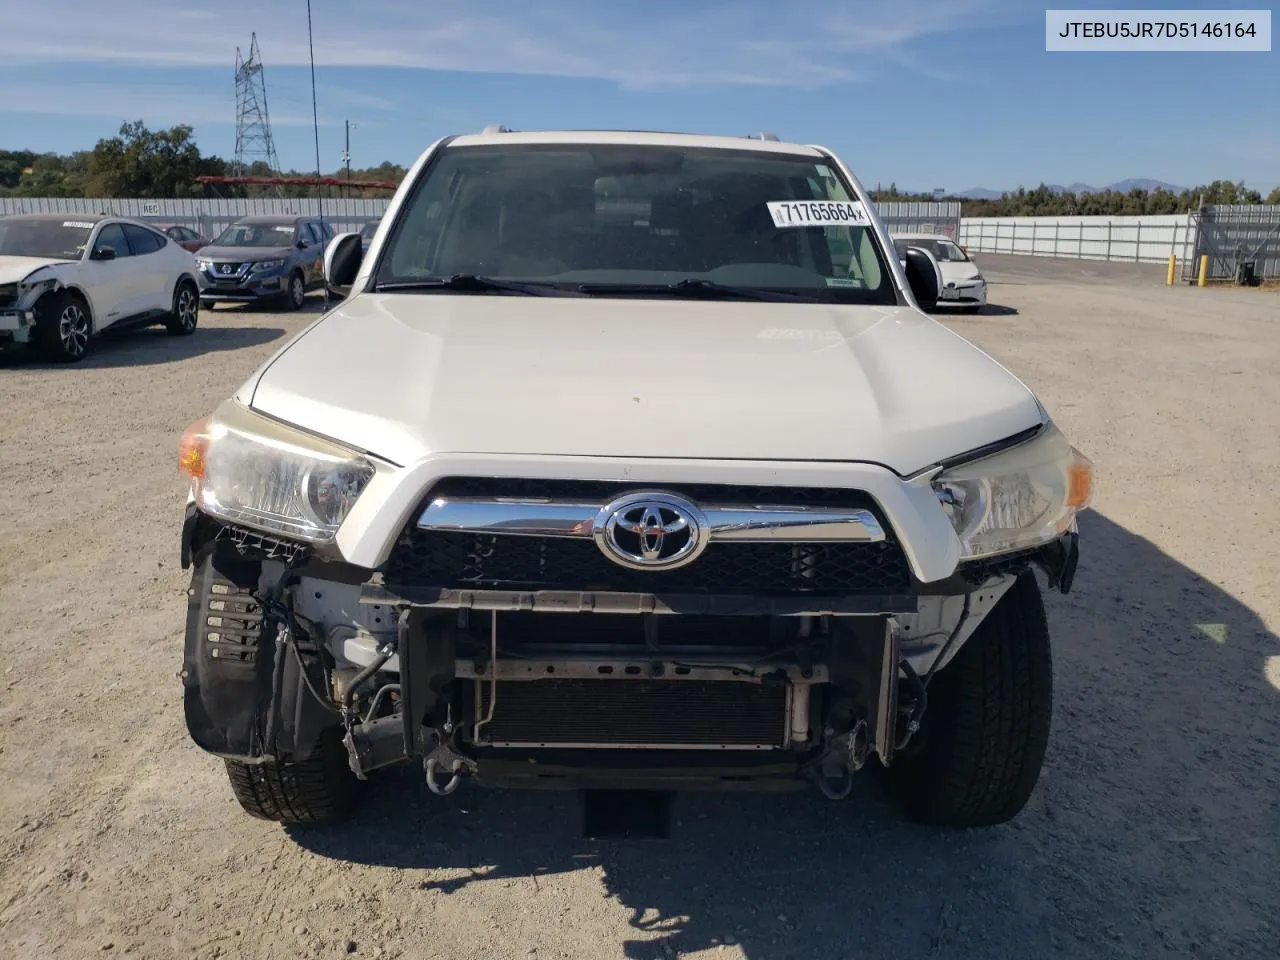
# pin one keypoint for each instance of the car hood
(15, 269)
(403, 376)
(241, 254)
(959, 270)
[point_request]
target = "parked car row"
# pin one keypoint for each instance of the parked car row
(66, 278)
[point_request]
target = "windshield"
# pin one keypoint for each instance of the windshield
(52, 239)
(256, 235)
(945, 251)
(638, 219)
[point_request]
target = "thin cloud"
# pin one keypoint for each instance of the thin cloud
(637, 45)
(124, 102)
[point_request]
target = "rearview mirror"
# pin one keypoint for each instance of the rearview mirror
(925, 277)
(103, 253)
(342, 263)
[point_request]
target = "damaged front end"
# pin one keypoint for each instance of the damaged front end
(521, 661)
(18, 307)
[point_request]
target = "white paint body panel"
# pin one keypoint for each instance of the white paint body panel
(17, 269)
(407, 376)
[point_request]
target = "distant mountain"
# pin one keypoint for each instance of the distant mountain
(1124, 186)
(1121, 186)
(977, 193)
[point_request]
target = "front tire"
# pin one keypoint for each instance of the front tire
(319, 789)
(182, 320)
(982, 740)
(63, 327)
(297, 295)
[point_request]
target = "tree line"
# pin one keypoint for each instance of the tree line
(1046, 202)
(144, 163)
(139, 162)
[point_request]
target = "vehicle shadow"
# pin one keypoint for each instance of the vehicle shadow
(987, 310)
(314, 303)
(1151, 833)
(149, 346)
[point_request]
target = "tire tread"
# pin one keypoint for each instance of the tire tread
(991, 712)
(319, 789)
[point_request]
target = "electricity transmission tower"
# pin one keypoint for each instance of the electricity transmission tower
(253, 124)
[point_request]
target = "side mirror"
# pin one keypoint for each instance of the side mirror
(103, 253)
(302, 244)
(342, 263)
(925, 277)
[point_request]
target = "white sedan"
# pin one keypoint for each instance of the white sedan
(65, 278)
(963, 284)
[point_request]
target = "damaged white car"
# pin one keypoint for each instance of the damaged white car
(627, 460)
(65, 278)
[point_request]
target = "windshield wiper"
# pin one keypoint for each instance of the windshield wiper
(473, 283)
(697, 287)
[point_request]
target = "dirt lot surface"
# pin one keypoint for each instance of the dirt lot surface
(1153, 832)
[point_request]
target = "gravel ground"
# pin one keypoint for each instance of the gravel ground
(1153, 832)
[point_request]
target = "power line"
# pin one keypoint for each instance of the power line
(315, 115)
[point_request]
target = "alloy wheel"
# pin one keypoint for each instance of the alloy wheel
(73, 330)
(188, 308)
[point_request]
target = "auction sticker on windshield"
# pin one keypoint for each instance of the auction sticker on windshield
(817, 213)
(77, 224)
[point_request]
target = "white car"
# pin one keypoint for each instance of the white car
(64, 278)
(963, 284)
(627, 460)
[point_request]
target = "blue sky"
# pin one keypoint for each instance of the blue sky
(927, 93)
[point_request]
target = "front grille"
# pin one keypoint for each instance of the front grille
(635, 713)
(462, 560)
(453, 560)
(226, 269)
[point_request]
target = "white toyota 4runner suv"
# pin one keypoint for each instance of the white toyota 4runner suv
(628, 460)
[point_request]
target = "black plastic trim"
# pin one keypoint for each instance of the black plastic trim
(990, 449)
(543, 601)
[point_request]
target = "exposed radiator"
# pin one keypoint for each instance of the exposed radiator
(630, 714)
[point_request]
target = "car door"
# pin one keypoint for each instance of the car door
(110, 284)
(312, 257)
(153, 271)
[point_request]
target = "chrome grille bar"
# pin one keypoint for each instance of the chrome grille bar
(565, 519)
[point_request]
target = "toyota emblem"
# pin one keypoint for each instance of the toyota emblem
(651, 531)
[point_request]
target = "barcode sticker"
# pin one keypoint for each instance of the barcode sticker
(818, 213)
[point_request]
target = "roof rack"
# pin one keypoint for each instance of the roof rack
(497, 128)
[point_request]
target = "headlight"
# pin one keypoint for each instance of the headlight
(267, 265)
(251, 470)
(204, 264)
(1021, 498)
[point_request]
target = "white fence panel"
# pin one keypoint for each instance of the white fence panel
(1143, 239)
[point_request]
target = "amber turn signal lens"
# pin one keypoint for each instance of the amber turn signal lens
(1080, 485)
(194, 448)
